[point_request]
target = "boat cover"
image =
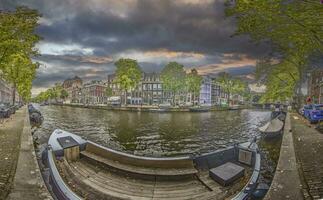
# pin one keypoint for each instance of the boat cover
(273, 126)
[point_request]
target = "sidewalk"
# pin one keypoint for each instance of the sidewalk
(27, 183)
(10, 133)
(309, 152)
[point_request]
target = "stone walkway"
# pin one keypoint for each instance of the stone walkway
(10, 133)
(309, 152)
(28, 182)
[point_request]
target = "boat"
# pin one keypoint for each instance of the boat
(199, 109)
(272, 128)
(35, 115)
(81, 169)
(158, 110)
(234, 107)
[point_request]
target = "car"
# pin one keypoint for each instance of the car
(4, 111)
(313, 112)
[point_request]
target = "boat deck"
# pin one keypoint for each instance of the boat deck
(92, 181)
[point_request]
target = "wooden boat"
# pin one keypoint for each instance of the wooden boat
(81, 169)
(272, 128)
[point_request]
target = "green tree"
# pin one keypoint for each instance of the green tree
(194, 82)
(64, 94)
(293, 28)
(128, 75)
(108, 91)
(17, 47)
(20, 72)
(230, 85)
(173, 77)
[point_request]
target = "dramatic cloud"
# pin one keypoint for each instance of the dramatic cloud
(80, 35)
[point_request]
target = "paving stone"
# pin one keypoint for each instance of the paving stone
(309, 150)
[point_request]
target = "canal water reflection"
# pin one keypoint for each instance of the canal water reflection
(154, 134)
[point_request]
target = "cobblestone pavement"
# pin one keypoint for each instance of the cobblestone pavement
(309, 152)
(10, 132)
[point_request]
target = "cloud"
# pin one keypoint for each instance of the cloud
(230, 63)
(92, 33)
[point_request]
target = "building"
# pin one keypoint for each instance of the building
(149, 91)
(205, 97)
(72, 86)
(315, 86)
(94, 92)
(218, 95)
(152, 90)
(5, 92)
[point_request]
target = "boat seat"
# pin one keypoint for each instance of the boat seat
(139, 166)
(227, 173)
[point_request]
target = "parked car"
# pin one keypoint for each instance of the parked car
(4, 111)
(313, 112)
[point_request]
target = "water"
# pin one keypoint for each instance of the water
(154, 134)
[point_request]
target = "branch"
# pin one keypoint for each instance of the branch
(302, 25)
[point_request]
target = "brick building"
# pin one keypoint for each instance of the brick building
(94, 92)
(72, 86)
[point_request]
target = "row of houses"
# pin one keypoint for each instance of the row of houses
(149, 91)
(6, 92)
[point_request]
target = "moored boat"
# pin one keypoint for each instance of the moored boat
(272, 128)
(234, 107)
(200, 109)
(80, 169)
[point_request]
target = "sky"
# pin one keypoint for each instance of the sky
(86, 37)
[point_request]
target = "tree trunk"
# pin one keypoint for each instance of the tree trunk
(14, 94)
(174, 98)
(125, 98)
(193, 98)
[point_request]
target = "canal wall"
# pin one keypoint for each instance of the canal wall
(144, 108)
(28, 182)
(286, 183)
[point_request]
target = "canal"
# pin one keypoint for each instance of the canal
(163, 134)
(154, 134)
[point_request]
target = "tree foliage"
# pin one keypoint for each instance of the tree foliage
(173, 77)
(108, 91)
(193, 82)
(128, 74)
(64, 94)
(293, 28)
(17, 47)
(56, 92)
(231, 85)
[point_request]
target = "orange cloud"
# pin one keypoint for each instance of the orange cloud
(88, 59)
(229, 61)
(172, 54)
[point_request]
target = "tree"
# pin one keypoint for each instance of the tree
(17, 46)
(173, 78)
(108, 91)
(20, 71)
(128, 75)
(293, 28)
(194, 82)
(230, 85)
(64, 94)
